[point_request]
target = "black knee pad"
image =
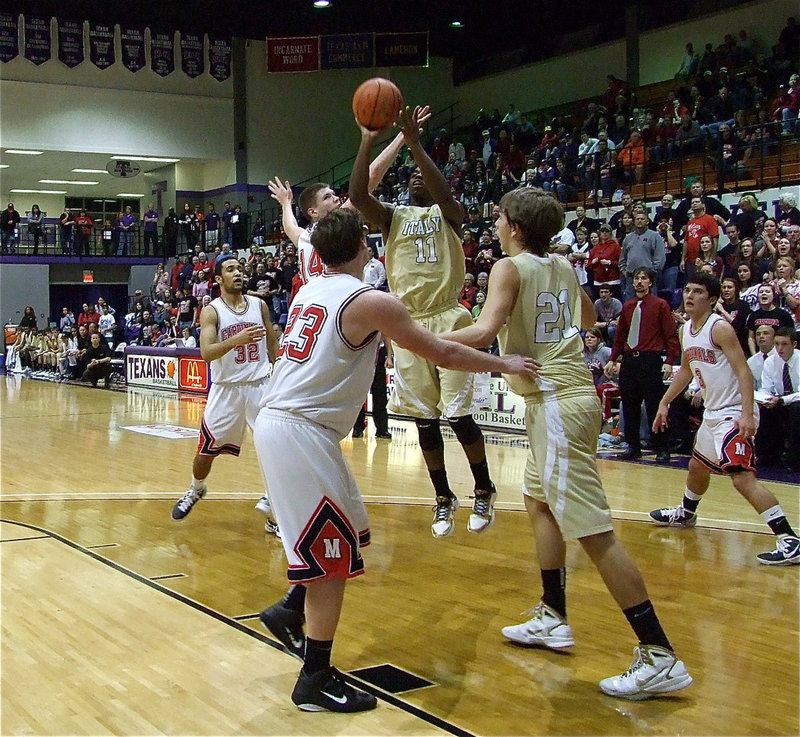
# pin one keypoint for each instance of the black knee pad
(466, 429)
(430, 436)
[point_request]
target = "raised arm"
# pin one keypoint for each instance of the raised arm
(437, 185)
(282, 194)
(374, 211)
(500, 299)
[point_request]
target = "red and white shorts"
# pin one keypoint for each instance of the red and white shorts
(718, 445)
(229, 408)
(314, 496)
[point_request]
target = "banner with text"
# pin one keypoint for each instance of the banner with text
(162, 52)
(298, 54)
(70, 42)
(132, 39)
(401, 49)
(219, 57)
(192, 54)
(346, 51)
(101, 45)
(9, 36)
(37, 39)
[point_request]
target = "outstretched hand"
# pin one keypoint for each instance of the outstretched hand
(409, 123)
(281, 192)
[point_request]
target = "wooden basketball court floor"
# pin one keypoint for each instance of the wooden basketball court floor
(117, 620)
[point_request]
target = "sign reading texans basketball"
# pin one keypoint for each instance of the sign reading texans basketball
(193, 375)
(158, 372)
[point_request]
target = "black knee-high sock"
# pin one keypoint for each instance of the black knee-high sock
(644, 621)
(318, 655)
(554, 584)
(480, 472)
(295, 599)
(439, 481)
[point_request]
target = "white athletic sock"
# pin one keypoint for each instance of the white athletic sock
(772, 513)
(198, 483)
(691, 495)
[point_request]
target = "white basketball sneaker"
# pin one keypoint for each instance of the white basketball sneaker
(655, 670)
(444, 516)
(546, 627)
(482, 511)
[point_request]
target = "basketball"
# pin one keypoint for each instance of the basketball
(377, 103)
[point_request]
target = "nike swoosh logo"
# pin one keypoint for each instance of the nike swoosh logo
(338, 699)
(295, 641)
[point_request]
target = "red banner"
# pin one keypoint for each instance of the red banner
(298, 54)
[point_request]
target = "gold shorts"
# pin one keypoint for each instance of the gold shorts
(422, 389)
(561, 470)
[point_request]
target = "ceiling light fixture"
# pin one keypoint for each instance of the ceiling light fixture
(22, 151)
(456, 24)
(4, 166)
(65, 181)
(39, 191)
(128, 194)
(322, 3)
(90, 171)
(155, 159)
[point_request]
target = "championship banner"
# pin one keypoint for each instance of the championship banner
(37, 39)
(101, 45)
(70, 42)
(346, 51)
(162, 53)
(192, 54)
(132, 40)
(298, 54)
(9, 36)
(401, 49)
(219, 57)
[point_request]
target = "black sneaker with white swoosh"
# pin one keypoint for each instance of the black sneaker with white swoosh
(328, 691)
(287, 626)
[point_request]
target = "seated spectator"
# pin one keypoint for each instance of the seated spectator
(708, 256)
(608, 309)
(466, 296)
(28, 319)
(734, 310)
(765, 342)
(786, 105)
(748, 284)
(787, 286)
(767, 313)
(582, 220)
(786, 212)
(189, 340)
(634, 157)
(480, 300)
(98, 362)
(107, 326)
(596, 354)
(779, 432)
(688, 138)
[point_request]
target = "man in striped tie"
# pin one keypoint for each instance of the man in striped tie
(781, 379)
(645, 349)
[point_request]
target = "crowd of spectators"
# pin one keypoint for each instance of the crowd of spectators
(727, 103)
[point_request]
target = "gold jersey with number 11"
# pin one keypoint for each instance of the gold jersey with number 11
(424, 259)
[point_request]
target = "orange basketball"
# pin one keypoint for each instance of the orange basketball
(377, 103)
